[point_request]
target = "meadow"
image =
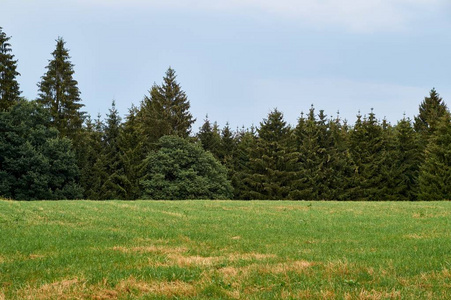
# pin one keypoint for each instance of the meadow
(225, 250)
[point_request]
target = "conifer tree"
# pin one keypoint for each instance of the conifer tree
(431, 110)
(131, 155)
(435, 172)
(228, 145)
(272, 163)
(368, 152)
(92, 172)
(9, 88)
(406, 158)
(59, 93)
(210, 137)
(246, 142)
(165, 111)
(113, 186)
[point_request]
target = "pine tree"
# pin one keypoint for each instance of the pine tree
(90, 155)
(368, 152)
(165, 111)
(9, 88)
(407, 158)
(131, 155)
(210, 137)
(246, 143)
(272, 163)
(228, 145)
(114, 185)
(435, 172)
(58, 92)
(430, 111)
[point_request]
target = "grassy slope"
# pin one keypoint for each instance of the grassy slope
(220, 249)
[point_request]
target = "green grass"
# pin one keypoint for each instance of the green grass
(225, 249)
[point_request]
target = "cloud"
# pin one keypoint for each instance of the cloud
(353, 15)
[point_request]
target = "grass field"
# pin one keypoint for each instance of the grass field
(225, 249)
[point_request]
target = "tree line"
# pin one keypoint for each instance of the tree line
(51, 149)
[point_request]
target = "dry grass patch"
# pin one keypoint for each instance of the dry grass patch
(298, 266)
(374, 295)
(150, 249)
(65, 289)
(250, 256)
(188, 261)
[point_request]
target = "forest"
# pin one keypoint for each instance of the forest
(51, 149)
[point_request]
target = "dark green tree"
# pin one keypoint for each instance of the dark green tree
(113, 186)
(435, 172)
(406, 160)
(183, 170)
(246, 140)
(368, 150)
(430, 111)
(92, 172)
(9, 88)
(59, 93)
(34, 162)
(271, 166)
(210, 138)
(165, 111)
(132, 155)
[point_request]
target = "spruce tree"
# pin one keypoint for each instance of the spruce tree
(368, 152)
(246, 143)
(90, 156)
(431, 110)
(210, 137)
(272, 163)
(435, 172)
(131, 155)
(9, 88)
(407, 159)
(59, 93)
(165, 111)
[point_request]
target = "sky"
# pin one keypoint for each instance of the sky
(237, 60)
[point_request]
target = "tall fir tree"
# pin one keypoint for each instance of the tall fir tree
(367, 146)
(240, 167)
(59, 93)
(272, 161)
(431, 110)
(435, 172)
(210, 137)
(131, 155)
(9, 87)
(165, 111)
(90, 154)
(406, 158)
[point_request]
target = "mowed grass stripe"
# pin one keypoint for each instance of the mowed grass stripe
(225, 249)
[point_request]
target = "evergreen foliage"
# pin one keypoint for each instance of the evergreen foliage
(210, 137)
(59, 93)
(34, 162)
(369, 153)
(9, 88)
(165, 111)
(431, 110)
(132, 155)
(271, 162)
(183, 170)
(435, 173)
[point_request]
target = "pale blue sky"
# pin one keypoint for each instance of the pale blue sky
(237, 60)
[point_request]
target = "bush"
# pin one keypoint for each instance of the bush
(183, 170)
